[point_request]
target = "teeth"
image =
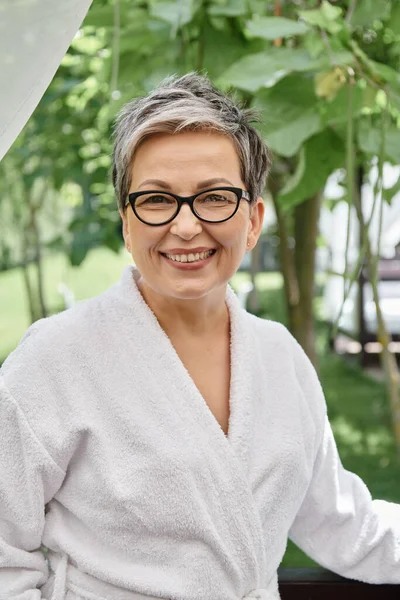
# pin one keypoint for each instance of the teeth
(190, 257)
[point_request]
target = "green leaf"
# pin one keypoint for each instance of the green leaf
(394, 22)
(385, 71)
(295, 180)
(392, 77)
(271, 28)
(368, 11)
(369, 141)
(216, 62)
(335, 112)
(290, 114)
(389, 193)
(265, 69)
(228, 8)
(330, 12)
(323, 153)
(314, 43)
(80, 246)
(368, 138)
(328, 83)
(103, 16)
(253, 72)
(326, 17)
(176, 13)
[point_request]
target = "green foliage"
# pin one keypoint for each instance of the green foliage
(271, 28)
(369, 11)
(370, 139)
(176, 14)
(295, 68)
(289, 113)
(335, 112)
(254, 71)
(326, 17)
(228, 8)
(265, 69)
(321, 155)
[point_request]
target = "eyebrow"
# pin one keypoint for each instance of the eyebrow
(201, 185)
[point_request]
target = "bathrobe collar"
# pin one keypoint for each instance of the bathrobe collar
(241, 361)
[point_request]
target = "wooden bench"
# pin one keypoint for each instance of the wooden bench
(319, 584)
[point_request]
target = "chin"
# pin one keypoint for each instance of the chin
(191, 289)
(191, 292)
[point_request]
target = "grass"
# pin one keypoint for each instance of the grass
(358, 408)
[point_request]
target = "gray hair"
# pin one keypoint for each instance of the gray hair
(190, 102)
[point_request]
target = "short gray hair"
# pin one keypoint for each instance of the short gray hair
(192, 103)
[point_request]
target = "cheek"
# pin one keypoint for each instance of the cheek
(145, 238)
(234, 235)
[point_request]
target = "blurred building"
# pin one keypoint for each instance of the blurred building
(358, 317)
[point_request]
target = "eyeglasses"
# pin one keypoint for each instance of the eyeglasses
(212, 206)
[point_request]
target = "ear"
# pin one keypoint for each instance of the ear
(125, 229)
(256, 222)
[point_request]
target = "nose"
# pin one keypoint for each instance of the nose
(186, 225)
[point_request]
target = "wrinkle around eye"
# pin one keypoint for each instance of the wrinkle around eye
(155, 199)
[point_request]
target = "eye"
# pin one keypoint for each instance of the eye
(155, 200)
(217, 198)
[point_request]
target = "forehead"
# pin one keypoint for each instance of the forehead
(186, 154)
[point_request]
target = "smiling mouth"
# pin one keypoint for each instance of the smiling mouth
(189, 258)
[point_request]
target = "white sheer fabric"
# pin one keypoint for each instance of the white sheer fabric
(34, 36)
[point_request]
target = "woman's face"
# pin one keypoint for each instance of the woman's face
(186, 163)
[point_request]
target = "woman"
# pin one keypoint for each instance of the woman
(175, 440)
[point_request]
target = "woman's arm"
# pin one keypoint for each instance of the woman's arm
(338, 524)
(29, 478)
(342, 528)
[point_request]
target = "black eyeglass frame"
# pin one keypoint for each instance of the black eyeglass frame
(240, 195)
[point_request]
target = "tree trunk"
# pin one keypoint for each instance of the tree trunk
(33, 313)
(287, 264)
(306, 217)
(297, 261)
(39, 270)
(34, 230)
(387, 358)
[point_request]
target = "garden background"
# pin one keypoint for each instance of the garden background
(324, 77)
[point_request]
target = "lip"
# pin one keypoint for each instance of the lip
(185, 266)
(186, 250)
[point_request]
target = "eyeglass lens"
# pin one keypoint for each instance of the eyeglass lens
(159, 207)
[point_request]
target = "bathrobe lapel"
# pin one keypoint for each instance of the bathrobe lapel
(227, 456)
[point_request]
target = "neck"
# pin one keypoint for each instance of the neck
(201, 316)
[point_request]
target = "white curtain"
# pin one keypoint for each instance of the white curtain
(34, 36)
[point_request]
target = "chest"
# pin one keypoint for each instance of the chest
(208, 365)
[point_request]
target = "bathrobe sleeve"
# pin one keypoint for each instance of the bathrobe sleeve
(338, 524)
(28, 480)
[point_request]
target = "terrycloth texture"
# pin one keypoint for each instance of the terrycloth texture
(145, 494)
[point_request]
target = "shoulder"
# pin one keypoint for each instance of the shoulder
(275, 340)
(277, 334)
(45, 375)
(266, 326)
(58, 340)
(273, 333)
(84, 317)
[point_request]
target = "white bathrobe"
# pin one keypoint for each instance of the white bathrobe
(145, 496)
